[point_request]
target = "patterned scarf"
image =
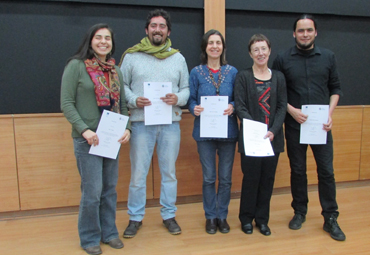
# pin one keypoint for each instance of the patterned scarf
(163, 51)
(107, 95)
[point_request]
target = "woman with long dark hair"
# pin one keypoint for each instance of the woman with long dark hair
(214, 77)
(92, 82)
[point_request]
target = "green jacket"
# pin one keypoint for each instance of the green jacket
(77, 98)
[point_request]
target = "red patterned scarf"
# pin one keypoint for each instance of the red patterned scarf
(107, 94)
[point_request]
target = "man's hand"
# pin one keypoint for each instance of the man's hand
(142, 101)
(170, 99)
(327, 126)
(297, 114)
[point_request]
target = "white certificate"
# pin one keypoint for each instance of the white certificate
(110, 129)
(213, 122)
(312, 131)
(159, 112)
(255, 144)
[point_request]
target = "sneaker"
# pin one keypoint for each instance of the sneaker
(331, 226)
(296, 222)
(132, 228)
(172, 226)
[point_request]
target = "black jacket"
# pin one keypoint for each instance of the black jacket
(246, 105)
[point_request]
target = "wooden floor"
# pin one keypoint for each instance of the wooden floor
(58, 234)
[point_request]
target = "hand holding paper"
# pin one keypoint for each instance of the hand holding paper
(170, 99)
(111, 129)
(312, 131)
(213, 122)
(256, 143)
(159, 112)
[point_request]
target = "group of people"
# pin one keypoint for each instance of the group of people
(91, 83)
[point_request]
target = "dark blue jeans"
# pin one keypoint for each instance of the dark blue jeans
(323, 155)
(97, 216)
(216, 204)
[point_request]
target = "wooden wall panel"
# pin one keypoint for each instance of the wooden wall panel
(9, 198)
(48, 175)
(347, 136)
(347, 125)
(282, 177)
(214, 15)
(47, 170)
(365, 146)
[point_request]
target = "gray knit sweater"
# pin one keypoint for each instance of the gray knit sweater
(140, 67)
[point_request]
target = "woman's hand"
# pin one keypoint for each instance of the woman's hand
(91, 137)
(198, 109)
(126, 137)
(269, 135)
(229, 110)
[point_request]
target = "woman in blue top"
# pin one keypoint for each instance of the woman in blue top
(214, 77)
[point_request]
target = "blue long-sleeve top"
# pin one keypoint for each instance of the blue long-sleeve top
(201, 85)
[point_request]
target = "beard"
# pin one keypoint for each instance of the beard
(304, 46)
(157, 41)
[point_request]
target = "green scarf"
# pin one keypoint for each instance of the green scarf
(163, 51)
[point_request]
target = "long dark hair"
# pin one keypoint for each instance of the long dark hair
(85, 50)
(203, 46)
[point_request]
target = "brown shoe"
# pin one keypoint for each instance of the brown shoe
(115, 243)
(94, 250)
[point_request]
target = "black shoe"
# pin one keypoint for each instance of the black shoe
(331, 226)
(264, 229)
(94, 250)
(115, 243)
(247, 228)
(172, 226)
(296, 222)
(223, 226)
(132, 228)
(211, 226)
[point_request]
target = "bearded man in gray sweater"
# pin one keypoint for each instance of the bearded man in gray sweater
(153, 60)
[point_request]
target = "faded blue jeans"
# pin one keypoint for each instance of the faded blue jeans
(216, 204)
(142, 142)
(97, 215)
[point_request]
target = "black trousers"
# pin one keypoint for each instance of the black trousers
(323, 155)
(257, 186)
